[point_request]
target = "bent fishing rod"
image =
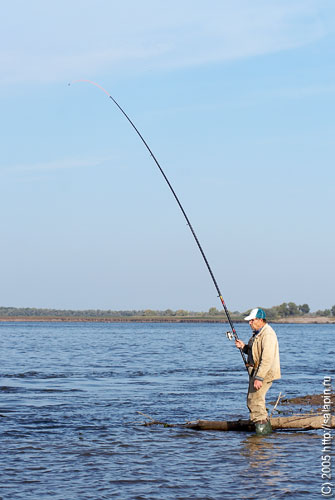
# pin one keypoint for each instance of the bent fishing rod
(232, 334)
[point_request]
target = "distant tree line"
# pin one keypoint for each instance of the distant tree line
(284, 310)
(90, 313)
(287, 309)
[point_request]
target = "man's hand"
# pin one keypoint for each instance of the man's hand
(257, 384)
(239, 344)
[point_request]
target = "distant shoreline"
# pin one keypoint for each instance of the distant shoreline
(140, 319)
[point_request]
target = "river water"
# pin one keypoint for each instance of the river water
(70, 393)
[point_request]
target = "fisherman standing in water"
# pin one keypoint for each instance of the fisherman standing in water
(263, 367)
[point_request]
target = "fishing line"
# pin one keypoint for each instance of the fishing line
(234, 334)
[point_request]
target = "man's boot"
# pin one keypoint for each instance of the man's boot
(263, 427)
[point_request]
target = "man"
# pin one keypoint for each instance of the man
(263, 367)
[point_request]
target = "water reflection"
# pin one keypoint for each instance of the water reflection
(264, 460)
(269, 460)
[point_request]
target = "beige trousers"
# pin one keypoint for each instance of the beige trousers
(256, 400)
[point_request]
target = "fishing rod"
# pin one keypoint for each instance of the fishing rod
(233, 333)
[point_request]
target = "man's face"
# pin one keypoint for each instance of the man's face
(256, 324)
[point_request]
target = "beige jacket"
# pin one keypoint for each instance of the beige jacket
(265, 353)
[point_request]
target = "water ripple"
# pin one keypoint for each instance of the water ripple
(69, 414)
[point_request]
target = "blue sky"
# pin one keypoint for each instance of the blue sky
(236, 100)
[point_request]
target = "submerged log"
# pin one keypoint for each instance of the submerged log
(318, 416)
(296, 422)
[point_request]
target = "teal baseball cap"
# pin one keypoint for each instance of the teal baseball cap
(257, 313)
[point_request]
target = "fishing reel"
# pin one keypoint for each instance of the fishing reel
(230, 335)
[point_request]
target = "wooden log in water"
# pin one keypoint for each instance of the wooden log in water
(296, 422)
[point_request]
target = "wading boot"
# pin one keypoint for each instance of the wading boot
(263, 427)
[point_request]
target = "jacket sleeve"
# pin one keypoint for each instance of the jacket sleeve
(269, 343)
